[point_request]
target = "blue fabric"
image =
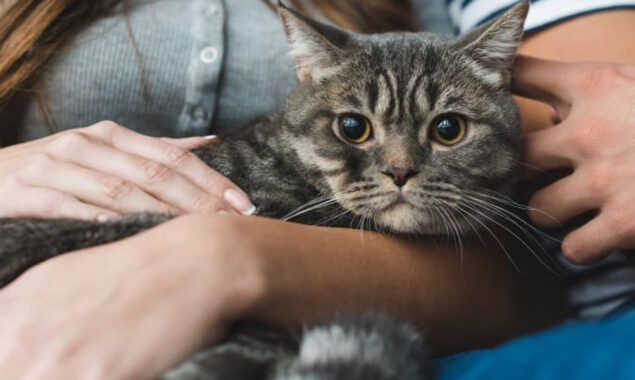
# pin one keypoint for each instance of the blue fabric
(602, 349)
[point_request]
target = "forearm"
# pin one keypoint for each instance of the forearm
(605, 36)
(314, 272)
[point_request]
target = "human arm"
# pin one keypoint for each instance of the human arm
(313, 272)
(185, 281)
(592, 132)
(105, 170)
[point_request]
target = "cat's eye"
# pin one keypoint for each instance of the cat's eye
(355, 128)
(448, 129)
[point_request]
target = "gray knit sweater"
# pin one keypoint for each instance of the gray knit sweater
(168, 68)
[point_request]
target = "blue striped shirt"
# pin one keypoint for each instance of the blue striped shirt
(467, 14)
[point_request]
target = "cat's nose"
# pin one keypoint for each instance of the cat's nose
(399, 175)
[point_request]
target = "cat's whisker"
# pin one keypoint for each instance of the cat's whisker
(462, 212)
(454, 232)
(309, 209)
(512, 233)
(516, 217)
(510, 202)
(532, 167)
(500, 244)
(378, 227)
(436, 217)
(360, 227)
(353, 219)
(307, 204)
(326, 221)
(445, 225)
(321, 202)
(451, 224)
(530, 236)
(505, 215)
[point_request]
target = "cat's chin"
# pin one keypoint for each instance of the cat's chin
(403, 218)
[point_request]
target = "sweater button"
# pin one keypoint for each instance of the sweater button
(209, 55)
(200, 115)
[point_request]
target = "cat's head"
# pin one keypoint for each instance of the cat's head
(406, 130)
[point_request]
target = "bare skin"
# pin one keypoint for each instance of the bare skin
(594, 136)
(584, 122)
(104, 170)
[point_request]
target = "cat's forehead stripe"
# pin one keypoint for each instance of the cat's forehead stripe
(388, 112)
(372, 95)
(412, 98)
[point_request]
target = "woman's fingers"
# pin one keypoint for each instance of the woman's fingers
(42, 201)
(179, 160)
(563, 200)
(111, 168)
(91, 187)
(153, 177)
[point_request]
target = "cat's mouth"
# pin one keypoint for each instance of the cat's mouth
(399, 200)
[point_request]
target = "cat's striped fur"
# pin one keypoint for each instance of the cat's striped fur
(294, 160)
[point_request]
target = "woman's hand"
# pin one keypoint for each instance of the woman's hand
(131, 309)
(595, 136)
(105, 170)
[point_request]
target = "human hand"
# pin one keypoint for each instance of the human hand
(594, 135)
(131, 309)
(105, 170)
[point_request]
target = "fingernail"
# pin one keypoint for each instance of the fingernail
(239, 201)
(103, 218)
(212, 138)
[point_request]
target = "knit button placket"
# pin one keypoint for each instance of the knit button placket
(205, 67)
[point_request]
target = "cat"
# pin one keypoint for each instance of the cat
(400, 130)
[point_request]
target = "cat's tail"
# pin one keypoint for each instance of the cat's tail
(358, 347)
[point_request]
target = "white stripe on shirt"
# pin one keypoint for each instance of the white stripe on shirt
(541, 13)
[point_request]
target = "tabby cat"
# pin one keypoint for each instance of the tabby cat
(393, 130)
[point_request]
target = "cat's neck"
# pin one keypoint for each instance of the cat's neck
(260, 161)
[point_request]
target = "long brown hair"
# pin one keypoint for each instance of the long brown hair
(32, 31)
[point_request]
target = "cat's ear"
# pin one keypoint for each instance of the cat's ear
(316, 48)
(494, 45)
